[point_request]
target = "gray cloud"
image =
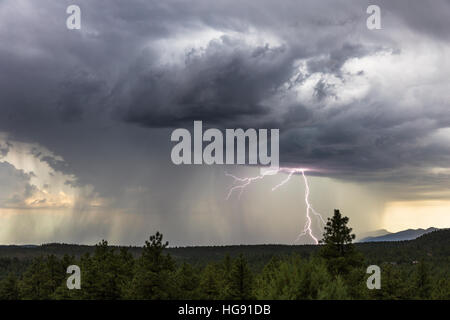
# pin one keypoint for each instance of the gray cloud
(15, 187)
(112, 72)
(106, 97)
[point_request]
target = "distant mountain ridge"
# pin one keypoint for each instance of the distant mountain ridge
(431, 246)
(371, 234)
(409, 234)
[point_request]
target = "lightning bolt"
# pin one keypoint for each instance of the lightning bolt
(241, 183)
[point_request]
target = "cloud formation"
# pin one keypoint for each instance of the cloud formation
(359, 105)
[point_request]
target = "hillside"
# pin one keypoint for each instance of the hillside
(409, 234)
(431, 246)
(370, 234)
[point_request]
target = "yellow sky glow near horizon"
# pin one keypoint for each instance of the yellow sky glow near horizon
(401, 215)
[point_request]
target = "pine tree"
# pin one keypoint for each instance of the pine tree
(155, 272)
(241, 280)
(42, 278)
(125, 269)
(9, 289)
(211, 286)
(441, 290)
(264, 283)
(314, 277)
(62, 292)
(55, 273)
(334, 290)
(337, 249)
(187, 279)
(392, 284)
(100, 279)
(286, 283)
(422, 281)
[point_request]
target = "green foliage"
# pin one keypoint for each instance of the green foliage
(294, 279)
(422, 283)
(42, 278)
(336, 271)
(187, 282)
(338, 249)
(335, 290)
(355, 282)
(279, 280)
(211, 284)
(240, 282)
(441, 290)
(102, 274)
(9, 289)
(392, 283)
(314, 280)
(154, 276)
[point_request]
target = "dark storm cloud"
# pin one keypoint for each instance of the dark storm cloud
(429, 17)
(74, 91)
(335, 58)
(104, 100)
(226, 82)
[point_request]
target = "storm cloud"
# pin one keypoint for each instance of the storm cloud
(358, 105)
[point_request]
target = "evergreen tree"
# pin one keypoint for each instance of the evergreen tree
(392, 284)
(356, 285)
(241, 280)
(9, 289)
(155, 272)
(211, 286)
(264, 283)
(62, 292)
(422, 281)
(313, 278)
(338, 249)
(55, 273)
(227, 266)
(334, 290)
(100, 274)
(42, 278)
(441, 289)
(288, 279)
(187, 279)
(333, 274)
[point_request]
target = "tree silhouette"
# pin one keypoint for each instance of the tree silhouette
(338, 249)
(110, 273)
(155, 272)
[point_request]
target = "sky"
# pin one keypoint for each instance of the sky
(86, 117)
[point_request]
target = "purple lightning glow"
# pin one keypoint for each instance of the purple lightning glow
(242, 183)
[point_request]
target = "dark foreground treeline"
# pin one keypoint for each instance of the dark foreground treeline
(335, 271)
